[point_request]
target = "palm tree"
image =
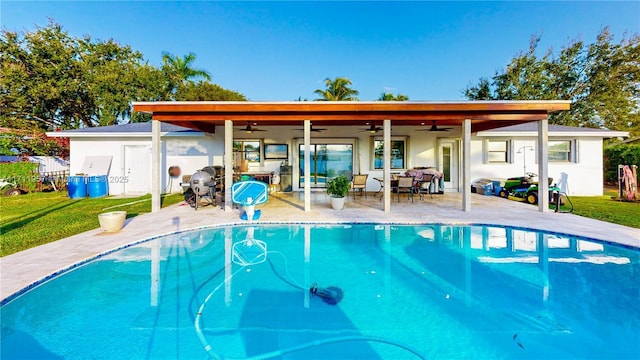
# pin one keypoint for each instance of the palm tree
(386, 96)
(178, 70)
(338, 89)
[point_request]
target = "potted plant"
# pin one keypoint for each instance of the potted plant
(338, 188)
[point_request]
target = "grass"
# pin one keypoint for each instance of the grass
(605, 209)
(34, 219)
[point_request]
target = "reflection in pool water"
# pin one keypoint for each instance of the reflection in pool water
(420, 291)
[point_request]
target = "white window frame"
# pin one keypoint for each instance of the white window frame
(260, 149)
(572, 150)
(405, 159)
(508, 151)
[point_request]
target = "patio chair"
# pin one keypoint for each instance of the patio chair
(359, 183)
(424, 186)
(405, 184)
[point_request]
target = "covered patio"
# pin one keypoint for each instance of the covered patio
(471, 116)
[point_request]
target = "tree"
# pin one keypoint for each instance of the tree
(51, 80)
(387, 96)
(179, 70)
(205, 91)
(601, 79)
(338, 89)
(36, 143)
(38, 71)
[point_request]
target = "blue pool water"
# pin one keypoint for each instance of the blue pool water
(406, 292)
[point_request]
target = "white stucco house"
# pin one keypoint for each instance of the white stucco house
(575, 154)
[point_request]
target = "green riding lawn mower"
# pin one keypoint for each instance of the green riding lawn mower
(525, 188)
(9, 188)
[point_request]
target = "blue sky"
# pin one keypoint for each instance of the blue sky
(284, 50)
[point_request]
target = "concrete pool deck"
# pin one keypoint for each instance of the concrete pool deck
(17, 271)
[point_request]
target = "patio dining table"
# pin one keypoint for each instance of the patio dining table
(380, 191)
(394, 183)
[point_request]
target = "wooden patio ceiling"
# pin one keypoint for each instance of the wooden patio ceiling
(484, 115)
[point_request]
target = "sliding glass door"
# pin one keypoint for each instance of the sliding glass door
(327, 161)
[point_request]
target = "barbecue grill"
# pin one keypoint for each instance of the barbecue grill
(203, 184)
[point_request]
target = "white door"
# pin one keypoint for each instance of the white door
(448, 163)
(137, 169)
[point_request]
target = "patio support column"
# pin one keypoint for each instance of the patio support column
(466, 165)
(543, 165)
(307, 165)
(228, 164)
(386, 159)
(156, 174)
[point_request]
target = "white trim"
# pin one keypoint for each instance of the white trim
(543, 165)
(386, 169)
(307, 165)
(260, 150)
(572, 151)
(603, 134)
(228, 162)
(62, 134)
(509, 152)
(312, 103)
(156, 171)
(455, 161)
(372, 151)
(466, 165)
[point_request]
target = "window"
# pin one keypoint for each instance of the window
(498, 151)
(398, 151)
(248, 150)
(560, 151)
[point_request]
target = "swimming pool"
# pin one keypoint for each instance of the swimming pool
(390, 292)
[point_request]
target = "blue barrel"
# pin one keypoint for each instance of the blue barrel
(77, 186)
(98, 186)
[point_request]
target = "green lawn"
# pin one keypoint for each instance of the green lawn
(38, 218)
(605, 209)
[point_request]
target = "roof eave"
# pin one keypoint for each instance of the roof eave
(601, 134)
(74, 134)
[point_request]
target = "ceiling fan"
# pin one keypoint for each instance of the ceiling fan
(314, 129)
(373, 129)
(434, 127)
(250, 128)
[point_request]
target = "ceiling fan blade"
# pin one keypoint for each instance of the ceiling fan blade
(372, 129)
(435, 127)
(249, 128)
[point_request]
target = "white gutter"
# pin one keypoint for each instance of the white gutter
(63, 134)
(602, 134)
